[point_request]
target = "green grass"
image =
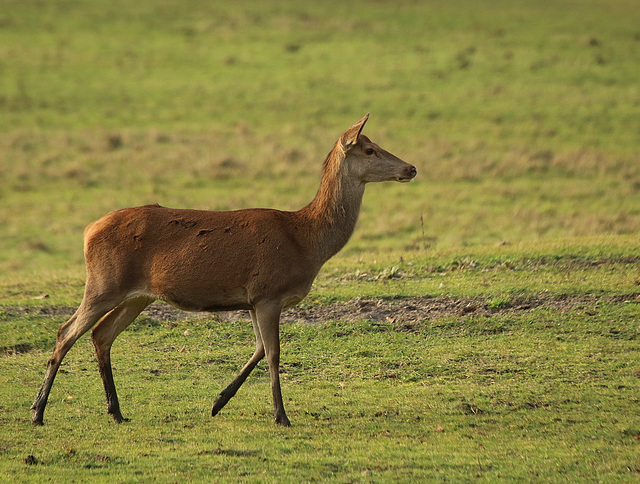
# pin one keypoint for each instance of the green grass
(521, 118)
(540, 395)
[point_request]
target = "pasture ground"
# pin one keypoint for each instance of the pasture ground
(482, 324)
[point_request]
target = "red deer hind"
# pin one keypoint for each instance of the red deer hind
(259, 260)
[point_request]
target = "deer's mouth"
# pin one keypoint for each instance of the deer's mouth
(408, 175)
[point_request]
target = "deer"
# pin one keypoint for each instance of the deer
(260, 260)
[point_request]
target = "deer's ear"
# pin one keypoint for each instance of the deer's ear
(350, 137)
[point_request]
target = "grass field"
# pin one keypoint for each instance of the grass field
(483, 322)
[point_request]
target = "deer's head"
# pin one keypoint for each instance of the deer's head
(366, 162)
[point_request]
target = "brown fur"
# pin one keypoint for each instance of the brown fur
(261, 260)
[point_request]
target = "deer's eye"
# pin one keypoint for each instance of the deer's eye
(369, 151)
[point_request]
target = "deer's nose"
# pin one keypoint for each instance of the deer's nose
(412, 171)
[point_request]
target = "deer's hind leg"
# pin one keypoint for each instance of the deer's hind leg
(90, 311)
(103, 336)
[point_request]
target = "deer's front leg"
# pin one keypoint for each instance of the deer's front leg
(268, 316)
(232, 388)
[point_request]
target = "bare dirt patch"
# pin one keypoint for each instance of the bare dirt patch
(395, 309)
(422, 308)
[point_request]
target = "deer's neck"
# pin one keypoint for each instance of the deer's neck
(332, 215)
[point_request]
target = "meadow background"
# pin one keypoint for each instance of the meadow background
(522, 118)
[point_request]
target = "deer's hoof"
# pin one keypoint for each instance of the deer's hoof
(283, 420)
(118, 418)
